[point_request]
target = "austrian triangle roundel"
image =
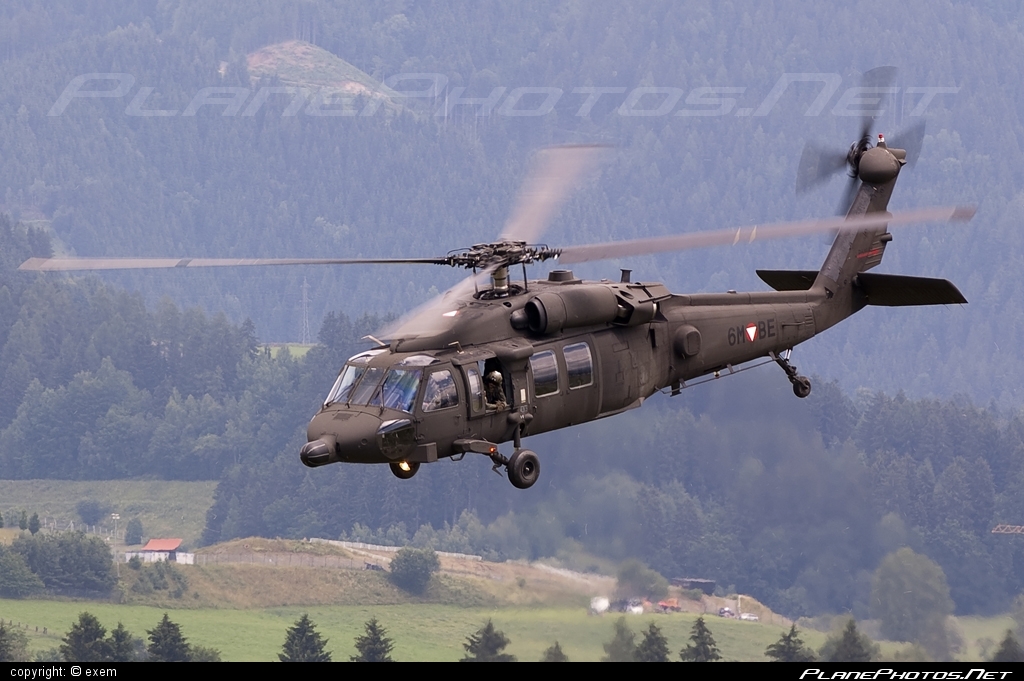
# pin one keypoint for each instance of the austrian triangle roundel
(751, 331)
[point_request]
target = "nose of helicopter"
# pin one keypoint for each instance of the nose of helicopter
(341, 436)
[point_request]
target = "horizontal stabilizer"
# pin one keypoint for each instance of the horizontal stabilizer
(788, 280)
(894, 290)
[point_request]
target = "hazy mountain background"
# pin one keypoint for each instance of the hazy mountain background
(142, 384)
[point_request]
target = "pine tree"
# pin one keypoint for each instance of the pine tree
(374, 645)
(86, 641)
(166, 644)
(33, 523)
(122, 645)
(1009, 650)
(852, 646)
(23, 521)
(7, 644)
(1, 520)
(703, 648)
(133, 533)
(554, 654)
(622, 645)
(303, 643)
(653, 647)
(789, 648)
(486, 646)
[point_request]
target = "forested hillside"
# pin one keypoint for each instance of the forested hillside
(109, 179)
(796, 502)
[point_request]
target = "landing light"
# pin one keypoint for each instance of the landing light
(404, 465)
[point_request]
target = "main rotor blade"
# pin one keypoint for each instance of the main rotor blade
(554, 173)
(436, 315)
(736, 235)
(78, 264)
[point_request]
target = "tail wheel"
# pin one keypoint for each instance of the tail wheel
(404, 470)
(523, 469)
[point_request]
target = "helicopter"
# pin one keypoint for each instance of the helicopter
(496, 359)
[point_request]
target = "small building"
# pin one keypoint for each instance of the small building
(695, 584)
(160, 550)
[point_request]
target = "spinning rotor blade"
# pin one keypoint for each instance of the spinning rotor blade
(818, 164)
(910, 140)
(849, 194)
(434, 316)
(735, 235)
(877, 81)
(77, 264)
(554, 173)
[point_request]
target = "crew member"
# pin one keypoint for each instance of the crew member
(495, 391)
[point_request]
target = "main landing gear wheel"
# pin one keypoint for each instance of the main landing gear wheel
(523, 469)
(404, 470)
(801, 386)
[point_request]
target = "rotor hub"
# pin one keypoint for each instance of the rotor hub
(501, 254)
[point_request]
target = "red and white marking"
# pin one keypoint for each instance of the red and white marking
(751, 331)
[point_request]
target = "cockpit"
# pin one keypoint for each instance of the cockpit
(394, 387)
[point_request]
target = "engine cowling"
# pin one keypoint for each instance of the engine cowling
(578, 306)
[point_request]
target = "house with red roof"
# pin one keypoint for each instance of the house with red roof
(159, 550)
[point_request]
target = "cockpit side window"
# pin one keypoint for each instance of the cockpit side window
(441, 392)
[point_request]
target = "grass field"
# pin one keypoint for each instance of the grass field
(166, 508)
(427, 632)
(245, 610)
(296, 350)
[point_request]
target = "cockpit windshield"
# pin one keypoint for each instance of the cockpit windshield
(360, 385)
(343, 386)
(398, 390)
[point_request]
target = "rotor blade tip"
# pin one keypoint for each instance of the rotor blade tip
(32, 264)
(964, 213)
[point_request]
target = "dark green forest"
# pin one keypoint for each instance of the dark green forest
(793, 502)
(162, 374)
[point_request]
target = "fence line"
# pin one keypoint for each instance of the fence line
(280, 559)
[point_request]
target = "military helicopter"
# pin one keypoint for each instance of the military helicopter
(494, 360)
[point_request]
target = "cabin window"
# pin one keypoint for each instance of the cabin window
(343, 386)
(368, 386)
(579, 365)
(398, 390)
(545, 373)
(441, 392)
(476, 389)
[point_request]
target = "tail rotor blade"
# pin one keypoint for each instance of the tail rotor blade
(817, 164)
(911, 140)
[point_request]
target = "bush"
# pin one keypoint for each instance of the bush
(91, 511)
(411, 569)
(638, 580)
